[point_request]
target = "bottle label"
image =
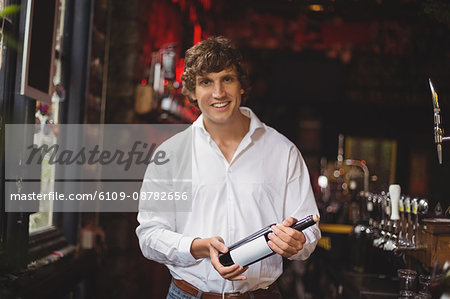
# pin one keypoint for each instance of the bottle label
(251, 251)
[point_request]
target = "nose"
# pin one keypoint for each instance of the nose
(219, 91)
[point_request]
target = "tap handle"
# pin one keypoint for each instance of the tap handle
(414, 205)
(401, 205)
(369, 204)
(394, 191)
(407, 203)
(434, 95)
(387, 206)
(438, 134)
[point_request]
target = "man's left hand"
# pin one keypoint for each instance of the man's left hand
(285, 240)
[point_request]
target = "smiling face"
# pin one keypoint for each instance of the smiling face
(218, 96)
(212, 56)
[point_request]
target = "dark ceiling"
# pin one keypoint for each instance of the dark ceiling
(350, 10)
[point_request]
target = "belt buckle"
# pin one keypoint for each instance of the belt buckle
(231, 294)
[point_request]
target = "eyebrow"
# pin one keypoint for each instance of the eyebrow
(201, 77)
(205, 76)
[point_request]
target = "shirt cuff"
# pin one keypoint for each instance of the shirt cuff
(309, 235)
(185, 249)
(304, 253)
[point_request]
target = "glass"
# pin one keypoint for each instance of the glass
(437, 286)
(424, 286)
(407, 279)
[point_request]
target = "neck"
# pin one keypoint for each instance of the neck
(234, 131)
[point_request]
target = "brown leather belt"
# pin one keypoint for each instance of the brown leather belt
(271, 292)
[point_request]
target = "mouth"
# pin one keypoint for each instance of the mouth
(220, 104)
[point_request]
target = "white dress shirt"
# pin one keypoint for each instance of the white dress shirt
(265, 182)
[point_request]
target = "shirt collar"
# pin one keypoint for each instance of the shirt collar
(255, 123)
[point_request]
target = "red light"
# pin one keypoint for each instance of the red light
(166, 82)
(192, 14)
(197, 33)
(206, 4)
(179, 69)
(144, 82)
(183, 5)
(363, 162)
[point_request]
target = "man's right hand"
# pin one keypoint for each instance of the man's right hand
(211, 247)
(232, 272)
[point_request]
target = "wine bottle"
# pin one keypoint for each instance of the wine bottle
(255, 248)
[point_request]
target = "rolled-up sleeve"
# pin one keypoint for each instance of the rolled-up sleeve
(158, 236)
(300, 201)
(159, 241)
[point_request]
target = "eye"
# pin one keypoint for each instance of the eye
(204, 82)
(228, 79)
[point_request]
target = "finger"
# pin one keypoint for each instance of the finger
(218, 244)
(294, 240)
(289, 221)
(227, 271)
(281, 251)
(223, 270)
(239, 278)
(285, 248)
(214, 255)
(230, 272)
(289, 235)
(293, 233)
(236, 274)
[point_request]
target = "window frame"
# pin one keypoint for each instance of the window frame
(17, 246)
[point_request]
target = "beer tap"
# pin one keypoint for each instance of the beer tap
(386, 216)
(414, 206)
(423, 206)
(401, 234)
(378, 221)
(383, 221)
(417, 207)
(358, 211)
(388, 243)
(362, 165)
(438, 132)
(407, 203)
(370, 212)
(375, 215)
(394, 194)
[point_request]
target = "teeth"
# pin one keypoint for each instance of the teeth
(220, 105)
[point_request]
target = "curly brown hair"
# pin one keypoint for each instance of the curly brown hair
(213, 55)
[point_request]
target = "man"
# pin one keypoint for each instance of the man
(245, 175)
